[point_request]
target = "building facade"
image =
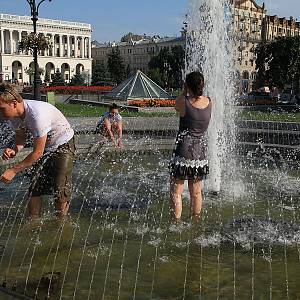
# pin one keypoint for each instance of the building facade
(251, 26)
(277, 27)
(248, 26)
(70, 49)
(136, 54)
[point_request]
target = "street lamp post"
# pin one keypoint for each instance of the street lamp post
(34, 8)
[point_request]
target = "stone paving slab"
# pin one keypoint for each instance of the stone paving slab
(172, 123)
(129, 123)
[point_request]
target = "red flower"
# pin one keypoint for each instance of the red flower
(152, 102)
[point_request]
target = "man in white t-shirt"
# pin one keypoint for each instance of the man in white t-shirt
(110, 125)
(53, 148)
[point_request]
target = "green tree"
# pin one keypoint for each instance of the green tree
(99, 73)
(57, 79)
(156, 76)
(177, 61)
(166, 67)
(128, 71)
(77, 79)
(159, 67)
(278, 62)
(260, 52)
(115, 65)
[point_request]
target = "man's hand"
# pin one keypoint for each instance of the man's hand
(8, 176)
(8, 154)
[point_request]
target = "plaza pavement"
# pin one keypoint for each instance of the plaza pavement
(129, 123)
(151, 134)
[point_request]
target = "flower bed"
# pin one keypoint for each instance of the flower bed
(77, 89)
(152, 103)
(70, 89)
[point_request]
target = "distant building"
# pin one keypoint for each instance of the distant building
(251, 25)
(248, 25)
(136, 54)
(70, 50)
(277, 27)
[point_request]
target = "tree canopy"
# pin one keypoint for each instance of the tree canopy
(99, 73)
(166, 67)
(115, 65)
(278, 62)
(77, 79)
(57, 79)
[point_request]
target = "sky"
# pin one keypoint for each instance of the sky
(111, 19)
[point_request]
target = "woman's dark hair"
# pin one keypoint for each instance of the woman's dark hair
(195, 82)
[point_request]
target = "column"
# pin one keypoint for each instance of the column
(82, 47)
(68, 46)
(10, 41)
(2, 41)
(90, 48)
(75, 46)
(18, 41)
(61, 54)
(47, 50)
(53, 44)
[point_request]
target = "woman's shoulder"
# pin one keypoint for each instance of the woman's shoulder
(208, 99)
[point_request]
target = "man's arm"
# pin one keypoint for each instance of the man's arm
(20, 140)
(37, 152)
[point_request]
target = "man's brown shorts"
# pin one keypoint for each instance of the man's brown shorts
(53, 173)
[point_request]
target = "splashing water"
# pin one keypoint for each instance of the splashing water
(209, 49)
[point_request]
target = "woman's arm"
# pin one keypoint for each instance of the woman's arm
(180, 102)
(107, 126)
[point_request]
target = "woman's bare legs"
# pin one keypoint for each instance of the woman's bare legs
(176, 190)
(195, 188)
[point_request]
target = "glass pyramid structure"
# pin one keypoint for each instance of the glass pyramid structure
(138, 86)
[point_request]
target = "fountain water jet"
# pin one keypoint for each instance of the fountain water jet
(209, 49)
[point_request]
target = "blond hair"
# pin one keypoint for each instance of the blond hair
(9, 92)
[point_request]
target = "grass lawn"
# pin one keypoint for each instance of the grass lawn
(270, 116)
(81, 110)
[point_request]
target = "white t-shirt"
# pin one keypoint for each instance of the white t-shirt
(113, 118)
(42, 118)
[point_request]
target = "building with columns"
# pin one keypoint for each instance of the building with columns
(70, 49)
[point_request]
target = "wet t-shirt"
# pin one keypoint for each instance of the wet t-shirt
(42, 118)
(113, 118)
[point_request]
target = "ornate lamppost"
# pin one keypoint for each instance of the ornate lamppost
(34, 8)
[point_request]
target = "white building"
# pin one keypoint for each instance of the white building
(70, 50)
